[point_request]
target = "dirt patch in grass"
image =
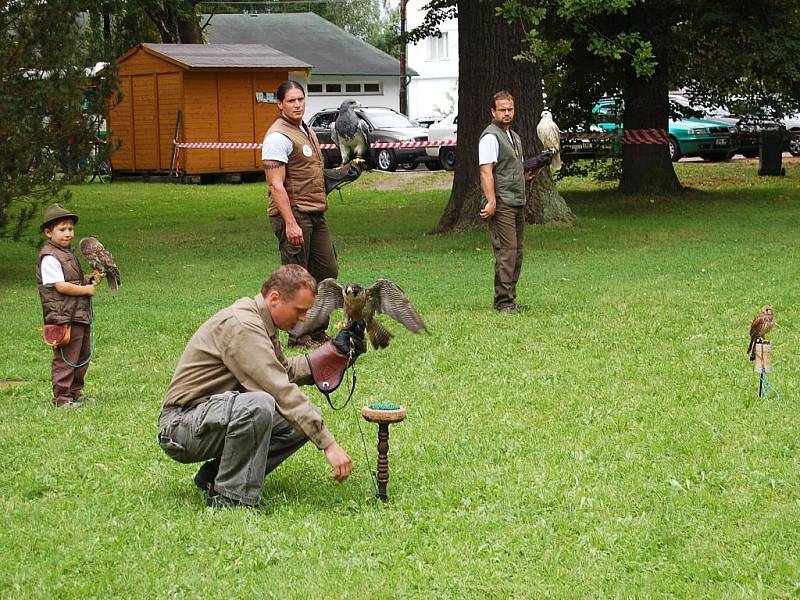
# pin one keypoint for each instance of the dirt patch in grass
(4, 383)
(411, 181)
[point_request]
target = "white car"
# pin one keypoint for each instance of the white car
(792, 124)
(445, 129)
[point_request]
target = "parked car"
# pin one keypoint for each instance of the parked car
(386, 125)
(792, 124)
(426, 122)
(444, 156)
(749, 123)
(690, 136)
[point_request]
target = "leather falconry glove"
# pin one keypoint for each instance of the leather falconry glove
(329, 362)
(354, 332)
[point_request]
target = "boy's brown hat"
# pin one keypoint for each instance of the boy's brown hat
(55, 213)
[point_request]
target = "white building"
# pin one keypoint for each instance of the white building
(343, 66)
(433, 91)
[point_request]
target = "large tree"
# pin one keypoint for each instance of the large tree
(487, 49)
(640, 49)
(50, 108)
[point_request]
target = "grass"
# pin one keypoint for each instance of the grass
(608, 443)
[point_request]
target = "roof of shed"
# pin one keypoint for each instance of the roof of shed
(330, 49)
(223, 55)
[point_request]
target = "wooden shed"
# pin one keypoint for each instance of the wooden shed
(223, 93)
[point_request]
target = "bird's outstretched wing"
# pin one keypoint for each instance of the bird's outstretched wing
(101, 260)
(386, 297)
(330, 296)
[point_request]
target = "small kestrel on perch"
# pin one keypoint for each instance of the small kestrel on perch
(762, 324)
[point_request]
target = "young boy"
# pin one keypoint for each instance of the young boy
(66, 299)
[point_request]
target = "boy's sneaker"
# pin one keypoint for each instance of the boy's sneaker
(66, 404)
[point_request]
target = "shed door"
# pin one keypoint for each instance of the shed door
(145, 121)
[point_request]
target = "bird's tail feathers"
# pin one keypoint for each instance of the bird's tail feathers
(379, 336)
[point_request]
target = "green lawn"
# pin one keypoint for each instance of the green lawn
(608, 443)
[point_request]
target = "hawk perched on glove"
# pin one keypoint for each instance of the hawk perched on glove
(362, 304)
(350, 132)
(550, 136)
(762, 324)
(101, 261)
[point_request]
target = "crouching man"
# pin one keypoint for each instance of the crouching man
(234, 401)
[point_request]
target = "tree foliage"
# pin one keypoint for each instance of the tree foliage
(50, 107)
(640, 49)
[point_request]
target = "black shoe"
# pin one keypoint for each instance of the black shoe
(205, 476)
(218, 501)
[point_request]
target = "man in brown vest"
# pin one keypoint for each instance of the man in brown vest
(297, 194)
(503, 184)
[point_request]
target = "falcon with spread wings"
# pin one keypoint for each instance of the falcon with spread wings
(101, 261)
(350, 132)
(360, 303)
(550, 136)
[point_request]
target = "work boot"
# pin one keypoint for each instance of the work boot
(205, 476)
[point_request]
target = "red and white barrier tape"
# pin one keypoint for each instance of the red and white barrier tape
(257, 145)
(645, 136)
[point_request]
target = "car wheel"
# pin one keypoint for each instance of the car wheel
(715, 157)
(750, 154)
(674, 150)
(794, 143)
(408, 166)
(432, 166)
(447, 158)
(386, 160)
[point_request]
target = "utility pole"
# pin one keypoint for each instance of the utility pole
(403, 65)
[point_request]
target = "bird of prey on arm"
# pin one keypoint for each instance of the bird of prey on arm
(550, 136)
(360, 303)
(350, 132)
(101, 261)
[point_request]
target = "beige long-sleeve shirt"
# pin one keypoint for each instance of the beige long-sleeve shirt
(239, 349)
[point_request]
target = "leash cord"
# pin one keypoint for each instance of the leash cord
(373, 475)
(766, 388)
(91, 343)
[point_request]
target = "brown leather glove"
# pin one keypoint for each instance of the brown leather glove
(337, 178)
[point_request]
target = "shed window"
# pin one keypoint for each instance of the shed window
(333, 88)
(352, 88)
(314, 88)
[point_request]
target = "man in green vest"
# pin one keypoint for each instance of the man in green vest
(503, 185)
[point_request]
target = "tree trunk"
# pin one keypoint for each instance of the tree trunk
(188, 25)
(486, 49)
(647, 168)
(545, 204)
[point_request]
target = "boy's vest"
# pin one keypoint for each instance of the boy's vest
(509, 176)
(305, 179)
(59, 309)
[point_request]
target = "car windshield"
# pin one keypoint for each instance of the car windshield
(387, 119)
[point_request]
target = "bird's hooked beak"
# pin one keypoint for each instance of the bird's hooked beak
(353, 290)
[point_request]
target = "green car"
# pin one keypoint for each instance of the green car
(707, 138)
